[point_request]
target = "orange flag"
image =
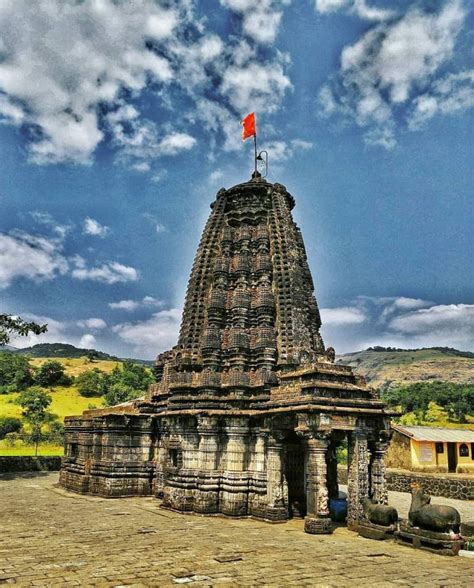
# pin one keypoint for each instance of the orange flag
(249, 126)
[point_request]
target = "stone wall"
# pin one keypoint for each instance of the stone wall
(448, 486)
(21, 463)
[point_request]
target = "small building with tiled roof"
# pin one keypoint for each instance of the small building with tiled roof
(435, 449)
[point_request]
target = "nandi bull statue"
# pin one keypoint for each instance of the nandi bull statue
(434, 527)
(433, 517)
(379, 522)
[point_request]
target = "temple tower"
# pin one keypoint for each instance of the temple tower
(248, 408)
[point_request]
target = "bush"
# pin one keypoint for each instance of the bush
(92, 383)
(9, 425)
(51, 373)
(16, 373)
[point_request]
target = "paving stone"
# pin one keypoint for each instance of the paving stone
(42, 545)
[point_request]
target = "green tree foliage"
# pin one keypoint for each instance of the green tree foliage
(16, 373)
(52, 373)
(133, 375)
(455, 400)
(120, 392)
(10, 325)
(92, 383)
(9, 425)
(127, 383)
(35, 403)
(55, 432)
(92, 355)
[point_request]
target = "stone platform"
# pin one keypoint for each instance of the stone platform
(51, 537)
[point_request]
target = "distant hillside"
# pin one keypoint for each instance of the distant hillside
(388, 366)
(66, 351)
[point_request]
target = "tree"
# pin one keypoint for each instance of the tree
(52, 373)
(118, 393)
(10, 324)
(92, 383)
(133, 375)
(35, 403)
(16, 373)
(91, 355)
(9, 425)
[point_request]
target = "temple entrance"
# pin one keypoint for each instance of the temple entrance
(295, 476)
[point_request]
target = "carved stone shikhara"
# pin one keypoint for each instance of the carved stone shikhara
(249, 406)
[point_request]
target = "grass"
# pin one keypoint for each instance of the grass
(66, 402)
(20, 449)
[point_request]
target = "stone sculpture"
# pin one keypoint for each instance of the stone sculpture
(248, 403)
(432, 517)
(379, 514)
(431, 527)
(379, 522)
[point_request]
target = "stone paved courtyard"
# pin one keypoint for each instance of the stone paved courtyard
(49, 537)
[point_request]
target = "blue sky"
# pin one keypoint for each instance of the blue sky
(120, 121)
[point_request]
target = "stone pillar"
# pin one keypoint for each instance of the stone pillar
(358, 478)
(317, 520)
(257, 497)
(277, 500)
(378, 485)
(208, 478)
(331, 462)
(234, 492)
(208, 443)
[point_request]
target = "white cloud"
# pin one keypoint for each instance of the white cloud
(398, 322)
(260, 20)
(23, 255)
(255, 86)
(83, 53)
(158, 333)
(87, 341)
(401, 303)
(110, 272)
(96, 324)
(449, 95)
(130, 305)
(216, 176)
(358, 7)
(160, 228)
(281, 150)
(325, 6)
(443, 318)
(344, 315)
(57, 332)
(47, 220)
(394, 63)
(93, 227)
(87, 53)
(176, 142)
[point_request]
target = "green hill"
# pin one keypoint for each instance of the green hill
(66, 351)
(383, 367)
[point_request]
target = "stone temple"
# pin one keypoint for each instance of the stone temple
(249, 407)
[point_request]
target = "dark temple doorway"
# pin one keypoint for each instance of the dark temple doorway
(295, 476)
(452, 458)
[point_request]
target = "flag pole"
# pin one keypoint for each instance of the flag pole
(255, 150)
